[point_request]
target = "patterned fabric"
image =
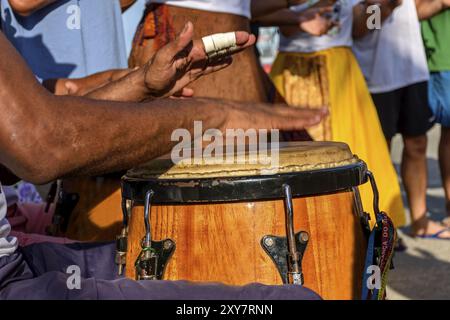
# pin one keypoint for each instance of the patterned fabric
(155, 29)
(333, 78)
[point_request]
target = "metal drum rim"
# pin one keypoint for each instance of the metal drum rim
(245, 188)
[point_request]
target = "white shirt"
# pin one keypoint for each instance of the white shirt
(237, 7)
(394, 56)
(303, 42)
(7, 244)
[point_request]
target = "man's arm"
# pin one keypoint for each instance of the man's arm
(360, 14)
(44, 137)
(126, 4)
(427, 9)
(315, 21)
(262, 8)
(82, 86)
(27, 7)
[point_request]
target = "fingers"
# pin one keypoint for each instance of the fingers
(166, 55)
(72, 88)
(187, 92)
(244, 39)
(185, 37)
(298, 119)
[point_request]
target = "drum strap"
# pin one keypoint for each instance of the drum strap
(379, 254)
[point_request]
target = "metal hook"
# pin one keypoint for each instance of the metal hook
(376, 194)
(294, 257)
(147, 208)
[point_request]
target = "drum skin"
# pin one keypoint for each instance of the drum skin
(220, 242)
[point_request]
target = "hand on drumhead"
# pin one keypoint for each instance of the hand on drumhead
(261, 116)
(185, 60)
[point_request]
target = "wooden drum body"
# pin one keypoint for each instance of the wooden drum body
(232, 228)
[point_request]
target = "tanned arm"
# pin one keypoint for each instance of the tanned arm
(315, 21)
(44, 137)
(427, 9)
(126, 4)
(360, 15)
(261, 8)
(27, 7)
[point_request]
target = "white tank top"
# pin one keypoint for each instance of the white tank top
(7, 244)
(237, 7)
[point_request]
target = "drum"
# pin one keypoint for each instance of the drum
(298, 221)
(96, 216)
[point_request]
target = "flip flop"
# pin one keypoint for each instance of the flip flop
(446, 222)
(434, 236)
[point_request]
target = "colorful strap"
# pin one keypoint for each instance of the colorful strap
(380, 251)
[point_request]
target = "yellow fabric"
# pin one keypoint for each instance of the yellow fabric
(353, 117)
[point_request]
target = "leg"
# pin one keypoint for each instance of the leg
(439, 96)
(414, 175)
(40, 273)
(415, 122)
(444, 163)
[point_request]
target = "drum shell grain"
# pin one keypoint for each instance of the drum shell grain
(220, 242)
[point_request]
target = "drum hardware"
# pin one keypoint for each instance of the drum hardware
(380, 250)
(122, 239)
(52, 195)
(287, 252)
(364, 216)
(65, 205)
(151, 262)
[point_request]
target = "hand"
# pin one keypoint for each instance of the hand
(260, 116)
(316, 21)
(321, 3)
(82, 86)
(184, 61)
(389, 4)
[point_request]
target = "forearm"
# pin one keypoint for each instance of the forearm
(427, 9)
(125, 4)
(283, 17)
(102, 136)
(264, 7)
(83, 86)
(43, 137)
(126, 89)
(27, 7)
(361, 16)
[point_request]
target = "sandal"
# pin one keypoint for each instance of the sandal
(446, 222)
(435, 236)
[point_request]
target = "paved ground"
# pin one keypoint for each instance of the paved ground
(423, 271)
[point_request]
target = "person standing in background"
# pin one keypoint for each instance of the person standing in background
(394, 65)
(436, 36)
(316, 71)
(81, 40)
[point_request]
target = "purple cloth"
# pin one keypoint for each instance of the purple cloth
(39, 272)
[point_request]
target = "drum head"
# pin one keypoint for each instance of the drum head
(310, 168)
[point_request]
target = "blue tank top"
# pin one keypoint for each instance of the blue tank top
(69, 38)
